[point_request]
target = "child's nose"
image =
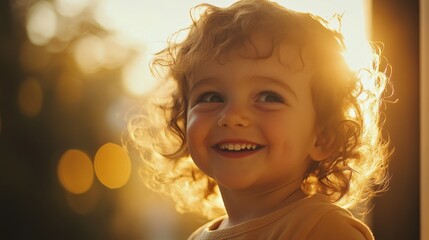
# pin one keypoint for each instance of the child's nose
(234, 116)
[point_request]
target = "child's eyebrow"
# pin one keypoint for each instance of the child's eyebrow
(279, 82)
(202, 81)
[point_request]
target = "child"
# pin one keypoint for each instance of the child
(263, 102)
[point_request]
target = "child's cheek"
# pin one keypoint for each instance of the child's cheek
(196, 134)
(190, 124)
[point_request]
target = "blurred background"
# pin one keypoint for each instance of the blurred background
(73, 70)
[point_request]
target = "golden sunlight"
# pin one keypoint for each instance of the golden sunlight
(75, 171)
(112, 166)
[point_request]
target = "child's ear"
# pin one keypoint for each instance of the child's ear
(322, 148)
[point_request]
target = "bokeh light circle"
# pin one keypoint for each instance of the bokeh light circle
(89, 53)
(112, 166)
(75, 171)
(41, 23)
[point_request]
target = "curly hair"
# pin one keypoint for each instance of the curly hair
(348, 105)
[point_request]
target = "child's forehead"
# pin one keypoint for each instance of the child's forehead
(258, 47)
(260, 41)
(284, 68)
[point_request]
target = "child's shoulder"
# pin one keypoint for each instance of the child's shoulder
(318, 218)
(339, 225)
(314, 217)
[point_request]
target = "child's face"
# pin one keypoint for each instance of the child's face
(251, 123)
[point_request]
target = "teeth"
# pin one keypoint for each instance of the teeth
(237, 146)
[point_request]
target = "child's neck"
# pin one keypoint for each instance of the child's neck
(243, 206)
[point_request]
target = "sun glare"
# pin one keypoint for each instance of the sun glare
(355, 24)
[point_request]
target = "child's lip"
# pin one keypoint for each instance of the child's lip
(236, 141)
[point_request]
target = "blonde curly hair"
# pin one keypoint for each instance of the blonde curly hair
(347, 103)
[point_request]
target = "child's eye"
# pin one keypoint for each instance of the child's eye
(270, 97)
(210, 97)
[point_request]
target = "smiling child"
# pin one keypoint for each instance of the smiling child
(264, 111)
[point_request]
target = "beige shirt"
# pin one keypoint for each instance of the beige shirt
(310, 218)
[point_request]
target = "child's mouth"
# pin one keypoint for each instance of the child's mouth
(237, 147)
